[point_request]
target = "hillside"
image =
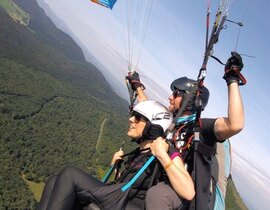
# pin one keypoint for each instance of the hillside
(54, 106)
(233, 200)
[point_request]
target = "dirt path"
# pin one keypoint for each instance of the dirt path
(100, 132)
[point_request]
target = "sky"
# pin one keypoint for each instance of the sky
(170, 44)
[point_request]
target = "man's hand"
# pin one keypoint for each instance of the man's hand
(235, 61)
(232, 70)
(134, 80)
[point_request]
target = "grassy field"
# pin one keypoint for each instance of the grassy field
(15, 12)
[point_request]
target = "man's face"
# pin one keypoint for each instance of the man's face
(175, 100)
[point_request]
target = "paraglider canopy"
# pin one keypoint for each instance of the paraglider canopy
(105, 3)
(127, 20)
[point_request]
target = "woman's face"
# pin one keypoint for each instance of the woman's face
(136, 125)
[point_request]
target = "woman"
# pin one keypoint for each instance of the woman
(148, 121)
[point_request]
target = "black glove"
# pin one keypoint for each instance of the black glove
(233, 67)
(134, 80)
(152, 131)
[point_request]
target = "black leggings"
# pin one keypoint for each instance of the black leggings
(75, 189)
(72, 187)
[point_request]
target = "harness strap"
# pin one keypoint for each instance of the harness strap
(134, 151)
(108, 174)
(131, 182)
(118, 163)
(205, 150)
(201, 175)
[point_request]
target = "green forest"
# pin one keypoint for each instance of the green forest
(54, 106)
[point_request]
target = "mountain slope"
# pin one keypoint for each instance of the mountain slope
(233, 200)
(54, 106)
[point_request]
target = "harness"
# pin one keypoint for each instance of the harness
(151, 160)
(198, 157)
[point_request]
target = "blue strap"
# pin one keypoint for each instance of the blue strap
(131, 182)
(186, 119)
(108, 174)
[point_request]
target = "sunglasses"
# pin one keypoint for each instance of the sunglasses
(138, 117)
(177, 93)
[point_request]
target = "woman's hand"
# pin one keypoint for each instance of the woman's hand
(179, 177)
(159, 147)
(117, 156)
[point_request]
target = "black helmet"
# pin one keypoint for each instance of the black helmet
(185, 85)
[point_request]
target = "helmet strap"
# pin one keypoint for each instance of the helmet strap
(186, 98)
(137, 140)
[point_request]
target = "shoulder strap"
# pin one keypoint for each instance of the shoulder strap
(131, 182)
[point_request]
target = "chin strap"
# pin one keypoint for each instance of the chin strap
(186, 98)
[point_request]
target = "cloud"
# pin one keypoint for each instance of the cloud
(252, 182)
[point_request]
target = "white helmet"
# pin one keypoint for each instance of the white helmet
(155, 112)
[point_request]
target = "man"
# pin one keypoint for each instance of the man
(198, 163)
